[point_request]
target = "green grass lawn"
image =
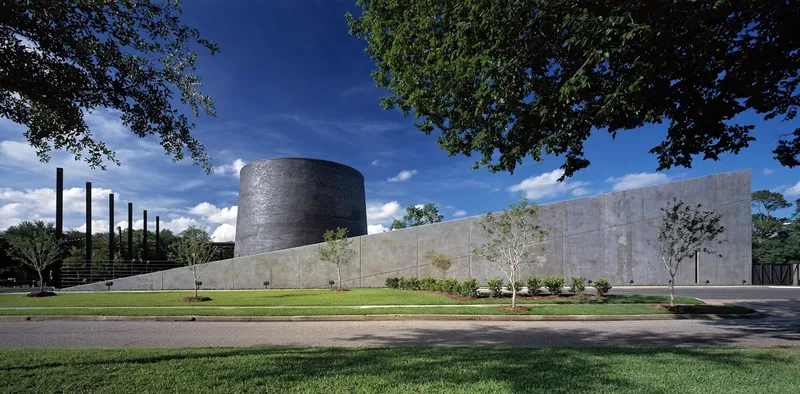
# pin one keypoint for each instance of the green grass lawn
(362, 296)
(575, 309)
(402, 370)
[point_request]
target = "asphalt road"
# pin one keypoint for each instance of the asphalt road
(781, 327)
(744, 332)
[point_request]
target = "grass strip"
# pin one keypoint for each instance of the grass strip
(402, 370)
(363, 296)
(579, 309)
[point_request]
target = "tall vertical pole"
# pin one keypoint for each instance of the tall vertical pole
(59, 202)
(56, 269)
(130, 231)
(144, 236)
(158, 237)
(111, 244)
(89, 223)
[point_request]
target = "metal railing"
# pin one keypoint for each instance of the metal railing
(98, 271)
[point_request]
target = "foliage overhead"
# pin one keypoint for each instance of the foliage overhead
(417, 216)
(62, 59)
(509, 79)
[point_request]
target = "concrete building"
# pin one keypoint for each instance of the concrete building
(284, 203)
(599, 236)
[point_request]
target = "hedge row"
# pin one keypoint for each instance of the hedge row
(469, 288)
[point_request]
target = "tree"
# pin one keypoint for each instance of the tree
(38, 250)
(194, 249)
(684, 231)
(337, 250)
(513, 235)
(417, 216)
(62, 59)
(769, 202)
(440, 261)
(509, 79)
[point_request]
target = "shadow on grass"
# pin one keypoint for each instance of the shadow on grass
(386, 369)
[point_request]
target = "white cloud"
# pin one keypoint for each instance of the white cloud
(99, 226)
(793, 191)
(768, 171)
(581, 191)
(458, 214)
(546, 185)
(376, 162)
(232, 168)
(633, 181)
(403, 176)
(224, 233)
(215, 215)
(382, 213)
(376, 228)
(419, 206)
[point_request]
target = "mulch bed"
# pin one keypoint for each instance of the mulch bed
(195, 299)
(678, 309)
(41, 294)
(338, 289)
(508, 308)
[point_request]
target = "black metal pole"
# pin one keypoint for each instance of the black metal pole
(59, 219)
(130, 231)
(144, 236)
(59, 202)
(111, 243)
(158, 237)
(89, 223)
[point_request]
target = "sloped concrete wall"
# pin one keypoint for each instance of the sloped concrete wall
(600, 236)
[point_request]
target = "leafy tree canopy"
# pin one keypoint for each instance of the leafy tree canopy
(508, 79)
(417, 216)
(768, 202)
(62, 59)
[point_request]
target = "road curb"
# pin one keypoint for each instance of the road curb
(393, 317)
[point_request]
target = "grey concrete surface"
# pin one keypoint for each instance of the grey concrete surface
(599, 236)
(744, 332)
(289, 202)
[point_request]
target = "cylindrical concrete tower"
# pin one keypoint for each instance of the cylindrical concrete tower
(284, 203)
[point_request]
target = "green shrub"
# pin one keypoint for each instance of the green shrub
(602, 286)
(535, 284)
(469, 288)
(412, 283)
(393, 282)
(554, 284)
(495, 287)
(577, 286)
(428, 283)
(401, 283)
(517, 287)
(450, 285)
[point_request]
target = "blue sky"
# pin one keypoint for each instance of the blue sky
(291, 82)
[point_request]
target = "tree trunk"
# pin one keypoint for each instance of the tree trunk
(195, 290)
(672, 290)
(41, 281)
(513, 295)
(339, 274)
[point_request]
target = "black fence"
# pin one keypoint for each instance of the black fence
(99, 271)
(776, 274)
